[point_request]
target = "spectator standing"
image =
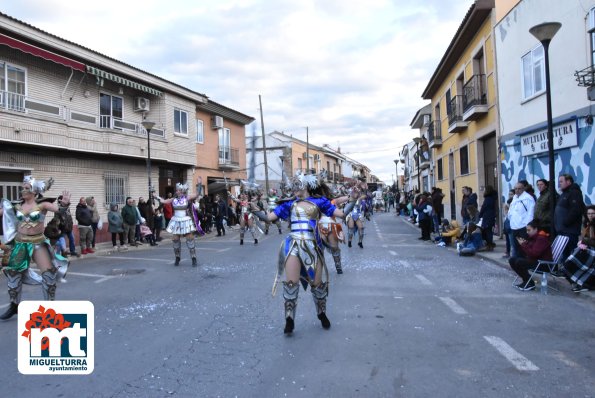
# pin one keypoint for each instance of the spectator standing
(168, 210)
(66, 224)
(536, 246)
(542, 205)
(469, 205)
(84, 217)
(437, 197)
(116, 226)
(487, 215)
(220, 212)
(569, 211)
(139, 220)
(146, 211)
(520, 214)
(92, 205)
(424, 217)
(129, 221)
(506, 227)
(158, 221)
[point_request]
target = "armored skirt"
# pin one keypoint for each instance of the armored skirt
(181, 223)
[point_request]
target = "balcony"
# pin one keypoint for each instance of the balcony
(586, 77)
(425, 158)
(475, 98)
(435, 134)
(229, 158)
(454, 111)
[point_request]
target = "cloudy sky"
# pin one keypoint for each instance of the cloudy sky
(351, 70)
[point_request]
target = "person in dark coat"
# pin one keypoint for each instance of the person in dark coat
(220, 211)
(536, 247)
(437, 197)
(424, 217)
(116, 226)
(147, 212)
(569, 212)
(487, 215)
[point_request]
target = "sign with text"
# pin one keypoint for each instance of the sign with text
(565, 136)
(56, 337)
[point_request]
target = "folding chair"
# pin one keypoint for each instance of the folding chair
(546, 268)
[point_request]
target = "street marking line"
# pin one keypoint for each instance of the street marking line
(221, 250)
(107, 278)
(90, 275)
(513, 356)
(450, 303)
(423, 280)
(560, 356)
(394, 253)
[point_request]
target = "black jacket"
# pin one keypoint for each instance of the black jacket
(488, 211)
(84, 215)
(569, 211)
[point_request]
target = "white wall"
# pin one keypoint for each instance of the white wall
(569, 52)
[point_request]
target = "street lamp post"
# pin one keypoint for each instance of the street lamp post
(148, 126)
(544, 32)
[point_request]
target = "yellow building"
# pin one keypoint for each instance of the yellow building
(463, 132)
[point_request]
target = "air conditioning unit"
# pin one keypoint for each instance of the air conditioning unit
(142, 104)
(316, 157)
(216, 122)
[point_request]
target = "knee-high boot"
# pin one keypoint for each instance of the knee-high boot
(253, 232)
(361, 237)
(191, 244)
(177, 244)
(242, 230)
(350, 233)
(290, 294)
(48, 284)
(319, 294)
(15, 286)
(337, 257)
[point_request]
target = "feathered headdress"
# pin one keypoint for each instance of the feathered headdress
(303, 181)
(38, 187)
(182, 187)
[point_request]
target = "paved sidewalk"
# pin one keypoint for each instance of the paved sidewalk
(496, 257)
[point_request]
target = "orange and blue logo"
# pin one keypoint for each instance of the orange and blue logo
(56, 337)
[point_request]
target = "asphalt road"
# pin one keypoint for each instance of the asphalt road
(409, 319)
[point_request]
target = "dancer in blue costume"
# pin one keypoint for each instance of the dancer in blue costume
(301, 256)
(23, 225)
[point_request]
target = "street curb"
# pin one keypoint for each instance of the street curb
(589, 295)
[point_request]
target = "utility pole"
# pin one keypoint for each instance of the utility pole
(264, 149)
(307, 151)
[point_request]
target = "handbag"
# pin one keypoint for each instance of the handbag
(100, 224)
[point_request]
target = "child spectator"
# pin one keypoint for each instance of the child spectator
(450, 231)
(116, 226)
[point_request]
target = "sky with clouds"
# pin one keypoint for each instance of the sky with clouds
(353, 71)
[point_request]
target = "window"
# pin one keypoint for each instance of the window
(440, 170)
(110, 109)
(533, 72)
(180, 122)
(300, 164)
(224, 146)
(116, 187)
(464, 159)
(200, 132)
(12, 87)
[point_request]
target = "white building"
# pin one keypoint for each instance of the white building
(521, 91)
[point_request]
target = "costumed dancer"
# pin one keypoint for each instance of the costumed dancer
(300, 256)
(356, 208)
(331, 233)
(23, 226)
(183, 224)
(272, 204)
(248, 206)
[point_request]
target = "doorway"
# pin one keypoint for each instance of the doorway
(452, 186)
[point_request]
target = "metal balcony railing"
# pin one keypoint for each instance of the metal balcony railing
(586, 77)
(229, 156)
(454, 109)
(12, 101)
(435, 131)
(474, 92)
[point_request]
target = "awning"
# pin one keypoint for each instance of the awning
(120, 80)
(39, 52)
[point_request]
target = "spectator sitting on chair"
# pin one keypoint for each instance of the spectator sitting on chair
(536, 247)
(580, 265)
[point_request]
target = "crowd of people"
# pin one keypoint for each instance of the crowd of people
(315, 215)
